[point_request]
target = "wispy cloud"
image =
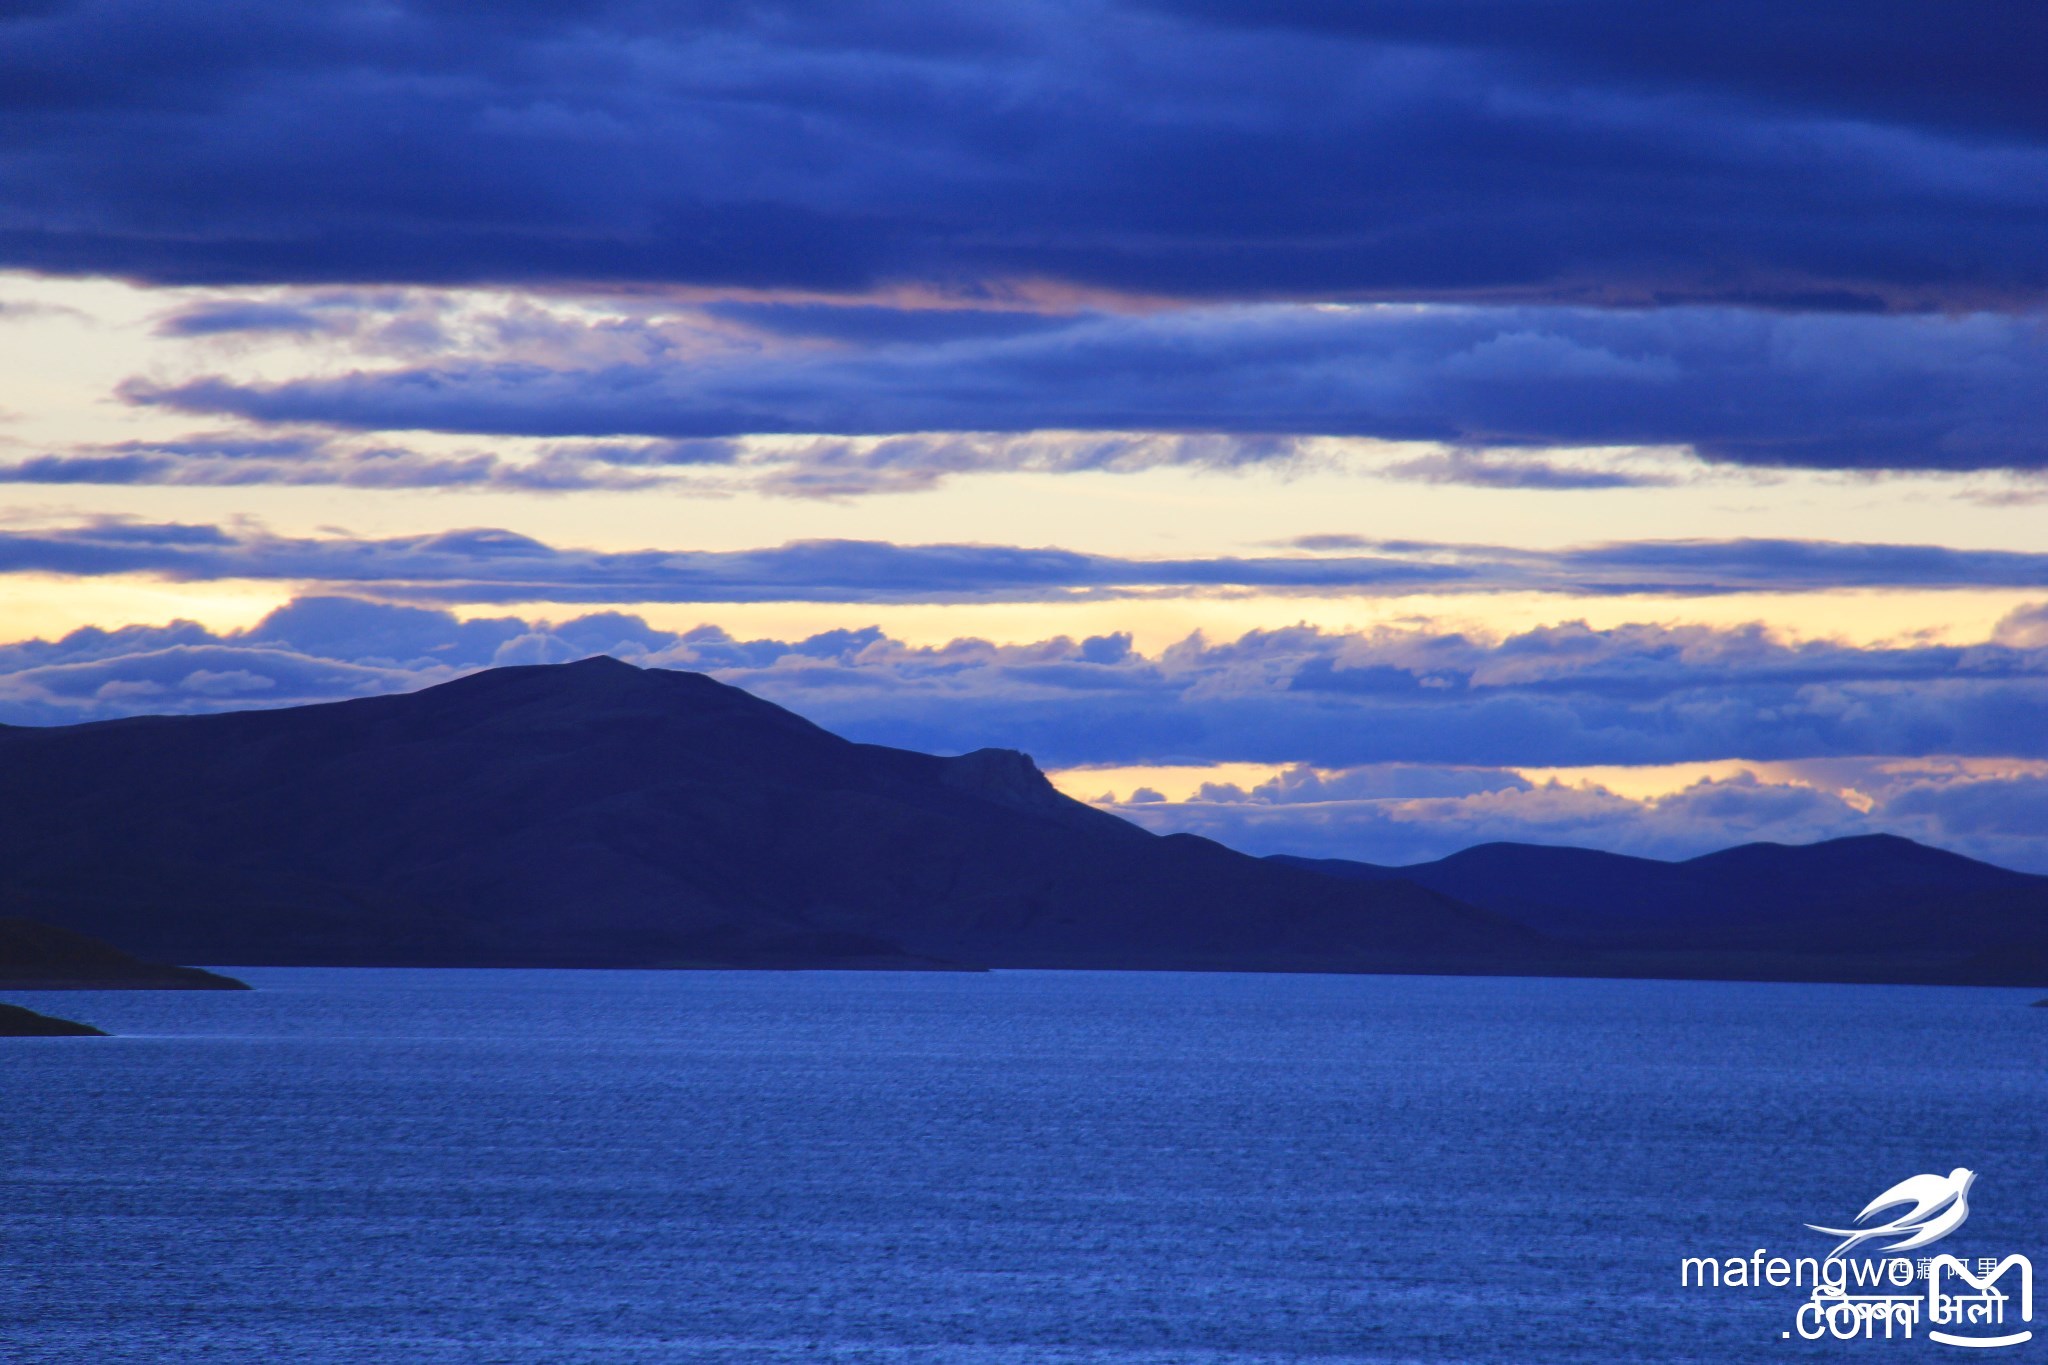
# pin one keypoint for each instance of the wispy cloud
(483, 565)
(238, 316)
(1483, 469)
(821, 468)
(315, 459)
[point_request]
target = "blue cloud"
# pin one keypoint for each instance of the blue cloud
(877, 325)
(233, 316)
(372, 632)
(232, 461)
(1566, 696)
(186, 676)
(484, 565)
(1907, 65)
(1827, 391)
(1587, 151)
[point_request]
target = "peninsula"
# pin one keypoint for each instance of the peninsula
(16, 1022)
(42, 957)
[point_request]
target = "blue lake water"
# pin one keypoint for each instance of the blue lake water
(509, 1168)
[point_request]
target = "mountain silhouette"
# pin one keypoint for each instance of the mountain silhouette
(1874, 907)
(598, 814)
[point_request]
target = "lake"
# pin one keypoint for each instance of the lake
(516, 1167)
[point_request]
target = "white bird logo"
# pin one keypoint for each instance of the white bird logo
(1939, 1203)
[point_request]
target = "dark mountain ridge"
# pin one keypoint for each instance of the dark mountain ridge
(599, 814)
(1876, 907)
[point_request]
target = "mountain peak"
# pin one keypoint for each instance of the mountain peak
(585, 681)
(604, 693)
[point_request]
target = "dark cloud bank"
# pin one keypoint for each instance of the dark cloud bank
(1422, 724)
(1850, 156)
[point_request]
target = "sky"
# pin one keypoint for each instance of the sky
(1361, 430)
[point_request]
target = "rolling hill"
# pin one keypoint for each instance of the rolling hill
(1877, 907)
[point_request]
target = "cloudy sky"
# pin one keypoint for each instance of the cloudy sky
(1360, 429)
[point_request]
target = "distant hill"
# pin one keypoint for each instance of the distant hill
(597, 814)
(1876, 907)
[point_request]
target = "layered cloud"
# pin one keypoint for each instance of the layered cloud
(1047, 235)
(485, 565)
(1743, 386)
(1591, 151)
(1559, 696)
(1565, 696)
